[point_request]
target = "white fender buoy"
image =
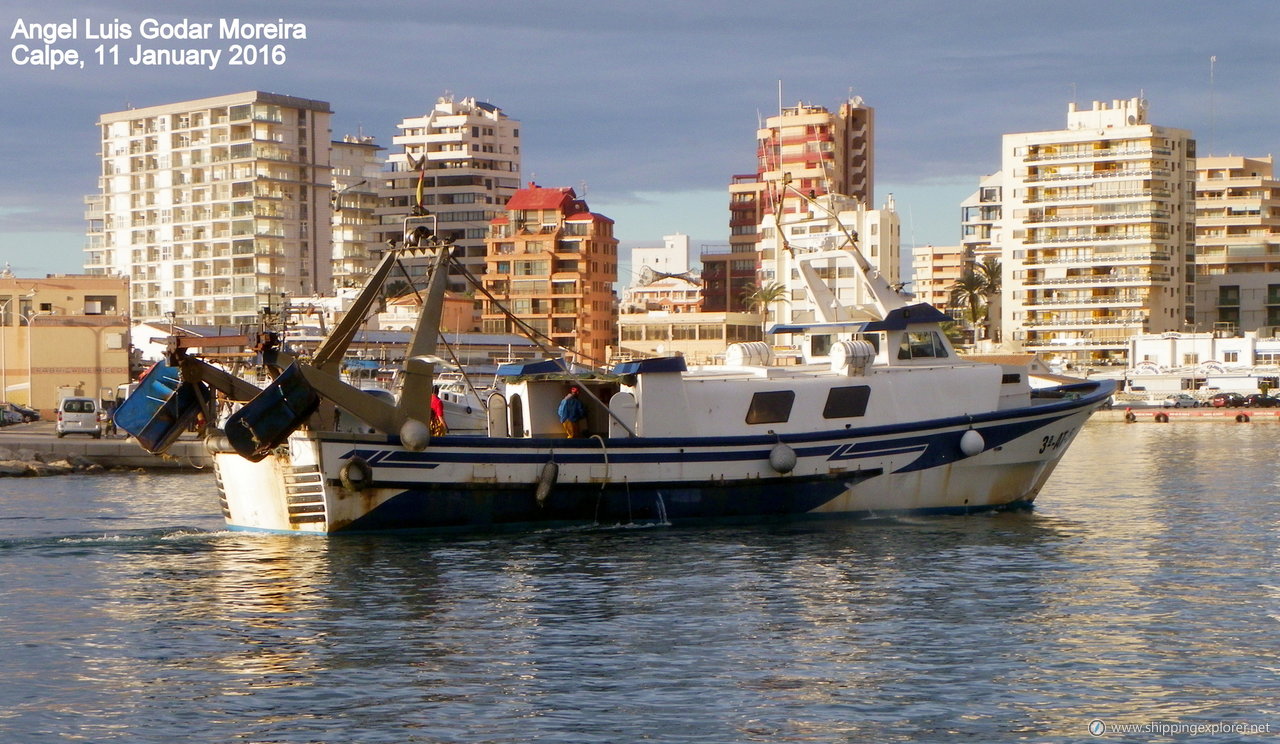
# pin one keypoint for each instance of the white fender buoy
(415, 435)
(972, 443)
(546, 479)
(782, 458)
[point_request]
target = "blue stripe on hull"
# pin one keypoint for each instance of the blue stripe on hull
(515, 509)
(493, 506)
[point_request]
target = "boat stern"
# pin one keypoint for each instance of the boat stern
(283, 492)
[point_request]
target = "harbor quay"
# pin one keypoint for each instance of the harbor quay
(35, 445)
(1158, 415)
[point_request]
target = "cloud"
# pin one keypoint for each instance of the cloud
(656, 99)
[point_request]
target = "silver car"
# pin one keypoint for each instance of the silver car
(78, 416)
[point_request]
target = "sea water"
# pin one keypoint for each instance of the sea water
(1138, 601)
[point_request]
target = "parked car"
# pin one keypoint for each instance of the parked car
(78, 416)
(14, 413)
(1227, 400)
(1180, 400)
(1261, 400)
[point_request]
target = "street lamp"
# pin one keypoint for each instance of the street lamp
(4, 340)
(31, 338)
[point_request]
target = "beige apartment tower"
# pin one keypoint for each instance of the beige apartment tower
(357, 171)
(1237, 281)
(462, 160)
(213, 207)
(1096, 233)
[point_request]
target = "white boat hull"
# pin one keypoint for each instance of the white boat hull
(328, 482)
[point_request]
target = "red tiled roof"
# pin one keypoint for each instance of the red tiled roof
(537, 197)
(587, 217)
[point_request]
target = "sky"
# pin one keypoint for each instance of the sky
(651, 106)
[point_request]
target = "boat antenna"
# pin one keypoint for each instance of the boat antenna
(1213, 59)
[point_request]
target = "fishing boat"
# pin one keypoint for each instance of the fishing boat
(880, 418)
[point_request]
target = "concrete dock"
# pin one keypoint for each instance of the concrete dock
(1157, 415)
(38, 438)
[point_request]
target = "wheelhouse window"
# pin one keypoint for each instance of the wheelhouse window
(847, 402)
(922, 345)
(773, 407)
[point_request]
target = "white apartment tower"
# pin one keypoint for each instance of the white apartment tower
(1096, 233)
(213, 207)
(465, 155)
(671, 258)
(357, 171)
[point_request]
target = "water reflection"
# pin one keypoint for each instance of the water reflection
(1142, 587)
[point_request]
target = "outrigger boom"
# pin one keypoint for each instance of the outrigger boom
(269, 415)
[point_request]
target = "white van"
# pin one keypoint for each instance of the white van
(78, 416)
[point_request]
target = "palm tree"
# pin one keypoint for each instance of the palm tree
(989, 270)
(760, 297)
(969, 294)
(953, 331)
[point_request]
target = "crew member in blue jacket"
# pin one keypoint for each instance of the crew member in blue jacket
(572, 413)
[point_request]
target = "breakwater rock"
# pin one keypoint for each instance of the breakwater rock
(26, 462)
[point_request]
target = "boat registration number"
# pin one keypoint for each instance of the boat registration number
(1052, 442)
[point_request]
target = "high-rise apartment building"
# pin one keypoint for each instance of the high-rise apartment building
(817, 152)
(213, 206)
(1237, 281)
(357, 172)
(461, 160)
(806, 151)
(553, 262)
(1096, 232)
(934, 271)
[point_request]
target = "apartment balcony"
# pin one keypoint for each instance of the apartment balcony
(1098, 280)
(1096, 175)
(1242, 246)
(1137, 319)
(1210, 222)
(1059, 302)
(1099, 198)
(1093, 219)
(1104, 154)
(1095, 238)
(1099, 257)
(1063, 345)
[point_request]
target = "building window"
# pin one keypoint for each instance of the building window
(1228, 295)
